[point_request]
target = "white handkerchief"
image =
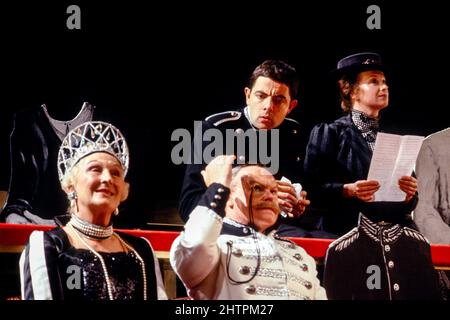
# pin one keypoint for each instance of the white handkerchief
(297, 186)
(298, 190)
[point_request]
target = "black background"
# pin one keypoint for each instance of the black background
(159, 66)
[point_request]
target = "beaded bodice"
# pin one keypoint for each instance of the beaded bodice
(124, 272)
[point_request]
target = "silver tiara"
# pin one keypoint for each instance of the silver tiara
(90, 137)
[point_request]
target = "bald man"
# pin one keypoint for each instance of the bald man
(229, 249)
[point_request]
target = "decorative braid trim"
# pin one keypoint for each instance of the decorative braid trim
(415, 234)
(346, 240)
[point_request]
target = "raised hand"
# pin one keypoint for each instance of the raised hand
(288, 201)
(219, 170)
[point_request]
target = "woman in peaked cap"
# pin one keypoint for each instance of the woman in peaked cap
(375, 234)
(338, 154)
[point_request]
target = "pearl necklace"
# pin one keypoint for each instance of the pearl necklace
(90, 230)
(103, 264)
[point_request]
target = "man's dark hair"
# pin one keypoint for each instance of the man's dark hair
(278, 71)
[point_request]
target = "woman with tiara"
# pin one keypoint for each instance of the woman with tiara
(85, 259)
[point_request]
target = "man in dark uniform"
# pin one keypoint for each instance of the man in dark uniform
(263, 134)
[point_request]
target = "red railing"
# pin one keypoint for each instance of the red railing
(17, 235)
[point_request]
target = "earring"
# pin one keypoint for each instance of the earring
(116, 212)
(72, 195)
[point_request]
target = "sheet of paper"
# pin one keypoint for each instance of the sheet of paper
(394, 156)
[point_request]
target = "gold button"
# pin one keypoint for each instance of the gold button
(251, 289)
(213, 205)
(220, 190)
(294, 131)
(244, 270)
(298, 256)
(238, 253)
(218, 197)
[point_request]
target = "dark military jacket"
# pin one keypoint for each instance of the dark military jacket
(260, 146)
(337, 154)
(380, 262)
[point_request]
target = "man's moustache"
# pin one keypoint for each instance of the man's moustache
(272, 206)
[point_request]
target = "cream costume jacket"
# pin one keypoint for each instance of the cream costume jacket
(217, 258)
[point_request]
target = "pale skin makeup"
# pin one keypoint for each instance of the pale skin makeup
(371, 94)
(100, 186)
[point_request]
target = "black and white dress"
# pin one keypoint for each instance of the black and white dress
(52, 269)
